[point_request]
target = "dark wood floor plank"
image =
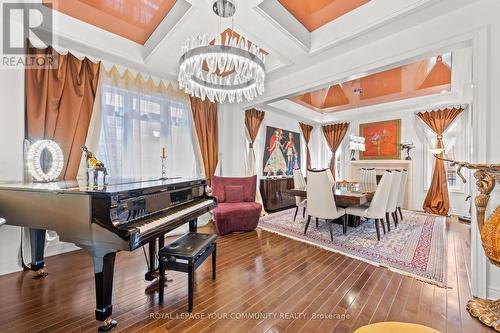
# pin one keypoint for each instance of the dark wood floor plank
(257, 271)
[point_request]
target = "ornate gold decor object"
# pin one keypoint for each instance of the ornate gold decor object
(94, 165)
(487, 311)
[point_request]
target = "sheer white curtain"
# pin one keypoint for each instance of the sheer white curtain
(134, 120)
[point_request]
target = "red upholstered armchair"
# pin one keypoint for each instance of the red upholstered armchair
(236, 208)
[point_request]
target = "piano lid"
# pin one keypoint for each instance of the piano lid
(111, 186)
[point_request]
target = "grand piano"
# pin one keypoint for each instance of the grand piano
(121, 215)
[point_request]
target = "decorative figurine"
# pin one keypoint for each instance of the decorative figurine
(93, 164)
(407, 147)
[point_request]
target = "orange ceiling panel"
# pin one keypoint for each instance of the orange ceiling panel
(313, 14)
(380, 84)
(439, 74)
(407, 81)
(135, 20)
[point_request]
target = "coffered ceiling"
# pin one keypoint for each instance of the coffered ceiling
(425, 77)
(300, 37)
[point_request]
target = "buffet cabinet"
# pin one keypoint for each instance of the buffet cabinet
(274, 196)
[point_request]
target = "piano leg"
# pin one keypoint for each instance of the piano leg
(37, 240)
(152, 272)
(193, 225)
(104, 264)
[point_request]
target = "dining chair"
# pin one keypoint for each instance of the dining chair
(372, 176)
(402, 191)
(392, 203)
(299, 182)
(362, 176)
(321, 200)
(377, 207)
(368, 176)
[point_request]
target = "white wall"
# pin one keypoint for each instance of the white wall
(11, 158)
(233, 146)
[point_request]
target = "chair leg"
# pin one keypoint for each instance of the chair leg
(383, 225)
(307, 223)
(190, 288)
(330, 227)
(304, 212)
(214, 262)
(378, 229)
(161, 280)
(295, 215)
(395, 217)
(317, 224)
(388, 221)
(344, 224)
(400, 213)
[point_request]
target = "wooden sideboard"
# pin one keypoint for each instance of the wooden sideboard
(274, 193)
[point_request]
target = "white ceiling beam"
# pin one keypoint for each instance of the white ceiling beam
(173, 19)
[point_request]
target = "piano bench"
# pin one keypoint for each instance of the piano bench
(186, 254)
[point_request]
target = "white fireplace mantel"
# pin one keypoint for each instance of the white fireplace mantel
(380, 166)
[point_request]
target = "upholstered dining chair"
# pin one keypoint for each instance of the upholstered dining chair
(402, 191)
(368, 176)
(299, 182)
(392, 203)
(321, 201)
(376, 209)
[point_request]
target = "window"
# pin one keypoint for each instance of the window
(456, 143)
(135, 127)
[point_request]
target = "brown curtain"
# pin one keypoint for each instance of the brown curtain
(306, 131)
(437, 200)
(59, 103)
(205, 121)
(253, 119)
(334, 134)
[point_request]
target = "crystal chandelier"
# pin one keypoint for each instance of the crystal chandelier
(230, 68)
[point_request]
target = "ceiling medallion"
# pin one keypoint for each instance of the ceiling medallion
(228, 69)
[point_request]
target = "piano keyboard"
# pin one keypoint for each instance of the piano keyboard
(174, 216)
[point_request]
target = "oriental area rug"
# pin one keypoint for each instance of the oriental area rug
(417, 247)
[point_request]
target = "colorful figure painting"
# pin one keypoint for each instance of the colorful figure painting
(282, 152)
(382, 140)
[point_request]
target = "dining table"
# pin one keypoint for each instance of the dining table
(345, 194)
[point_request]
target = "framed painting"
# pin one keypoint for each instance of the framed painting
(281, 152)
(382, 140)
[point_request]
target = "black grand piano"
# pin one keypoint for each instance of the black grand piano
(121, 215)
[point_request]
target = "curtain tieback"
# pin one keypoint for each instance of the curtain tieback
(440, 137)
(250, 145)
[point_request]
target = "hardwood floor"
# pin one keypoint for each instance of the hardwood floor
(288, 286)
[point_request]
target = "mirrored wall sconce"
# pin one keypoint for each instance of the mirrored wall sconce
(44, 160)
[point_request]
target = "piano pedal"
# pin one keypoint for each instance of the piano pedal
(109, 324)
(40, 274)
